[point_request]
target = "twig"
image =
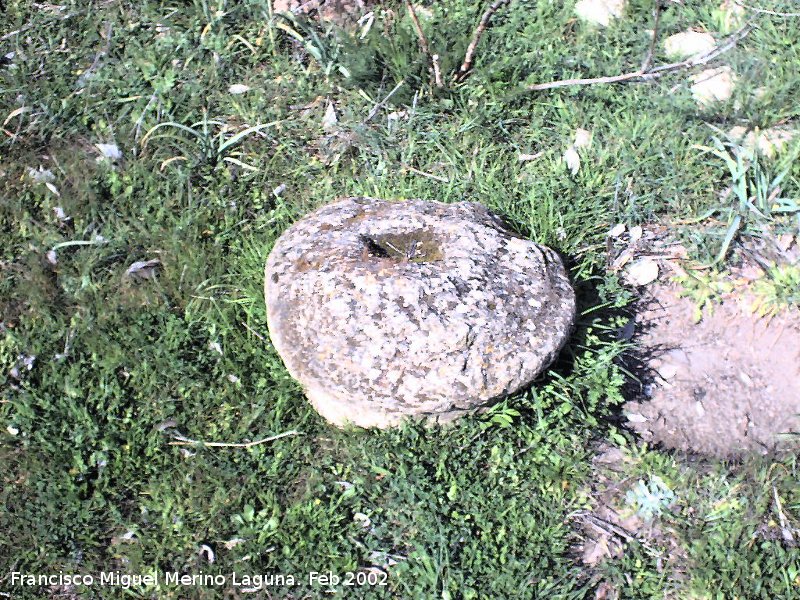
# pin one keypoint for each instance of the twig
(469, 57)
(437, 72)
(655, 72)
(383, 102)
(765, 11)
(184, 441)
(648, 60)
(423, 43)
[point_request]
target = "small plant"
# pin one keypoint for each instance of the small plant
(703, 290)
(650, 499)
(206, 142)
(755, 191)
(325, 50)
(779, 289)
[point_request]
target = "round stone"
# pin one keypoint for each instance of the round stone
(386, 310)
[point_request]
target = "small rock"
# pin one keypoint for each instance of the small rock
(713, 85)
(688, 43)
(600, 12)
(362, 519)
(642, 272)
(668, 370)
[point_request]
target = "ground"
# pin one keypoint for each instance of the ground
(151, 154)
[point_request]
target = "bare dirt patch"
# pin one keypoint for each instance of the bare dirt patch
(725, 386)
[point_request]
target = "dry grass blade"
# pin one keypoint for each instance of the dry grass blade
(181, 440)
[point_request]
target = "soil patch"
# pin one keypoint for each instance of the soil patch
(724, 386)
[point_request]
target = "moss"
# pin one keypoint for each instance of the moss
(414, 246)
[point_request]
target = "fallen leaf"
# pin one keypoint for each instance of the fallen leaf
(143, 269)
(110, 151)
(572, 160)
(583, 138)
(205, 550)
(617, 230)
(329, 121)
(362, 519)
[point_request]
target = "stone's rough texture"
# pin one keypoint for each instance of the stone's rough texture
(383, 310)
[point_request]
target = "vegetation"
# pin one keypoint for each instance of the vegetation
(128, 137)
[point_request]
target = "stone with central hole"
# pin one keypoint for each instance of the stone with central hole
(413, 309)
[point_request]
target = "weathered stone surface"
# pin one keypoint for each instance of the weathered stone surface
(383, 310)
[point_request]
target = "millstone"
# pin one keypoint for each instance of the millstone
(386, 310)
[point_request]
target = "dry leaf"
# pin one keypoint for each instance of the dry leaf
(583, 138)
(143, 269)
(329, 121)
(110, 151)
(617, 230)
(572, 160)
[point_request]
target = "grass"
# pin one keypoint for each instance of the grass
(97, 369)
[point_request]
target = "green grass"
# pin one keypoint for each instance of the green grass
(482, 509)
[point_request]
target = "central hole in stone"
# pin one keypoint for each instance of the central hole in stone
(415, 246)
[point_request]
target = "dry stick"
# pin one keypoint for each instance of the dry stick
(184, 441)
(469, 57)
(764, 11)
(423, 44)
(648, 60)
(654, 72)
